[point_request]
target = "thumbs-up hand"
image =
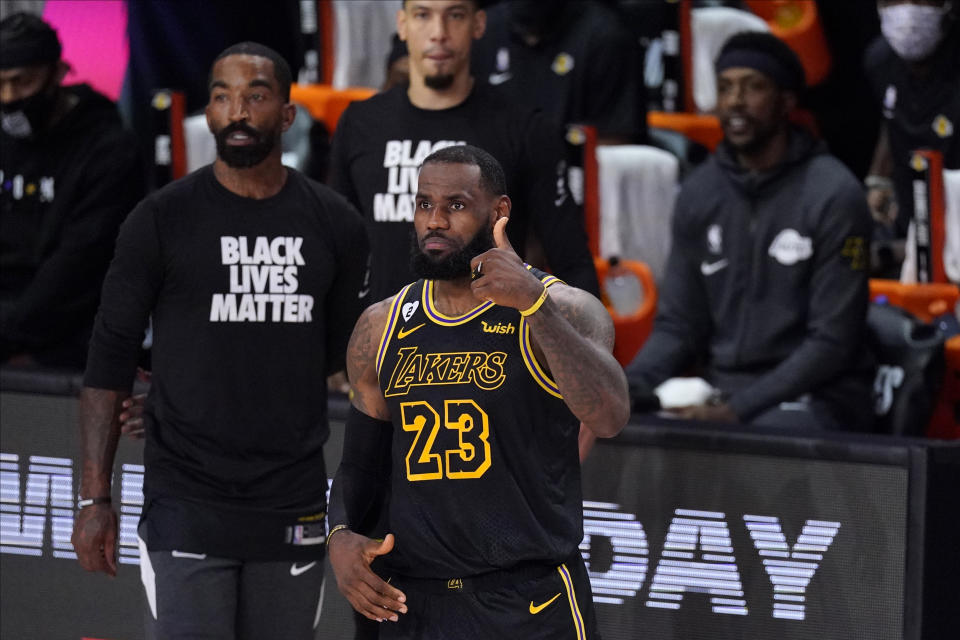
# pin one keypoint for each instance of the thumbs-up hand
(500, 240)
(500, 276)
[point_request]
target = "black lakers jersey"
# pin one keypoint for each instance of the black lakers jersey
(486, 472)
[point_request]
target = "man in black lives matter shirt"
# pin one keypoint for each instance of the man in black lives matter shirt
(251, 273)
(380, 143)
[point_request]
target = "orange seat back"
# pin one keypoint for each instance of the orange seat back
(704, 129)
(797, 23)
(326, 103)
(915, 298)
(633, 330)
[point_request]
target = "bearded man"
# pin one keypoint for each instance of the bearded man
(253, 277)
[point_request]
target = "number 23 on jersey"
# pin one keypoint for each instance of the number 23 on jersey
(470, 459)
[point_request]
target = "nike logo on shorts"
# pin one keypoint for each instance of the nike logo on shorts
(535, 609)
(295, 570)
(710, 268)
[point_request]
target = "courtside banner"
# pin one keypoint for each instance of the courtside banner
(715, 534)
(690, 532)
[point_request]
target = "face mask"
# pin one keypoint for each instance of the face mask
(912, 30)
(21, 118)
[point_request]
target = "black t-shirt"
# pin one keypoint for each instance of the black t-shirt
(485, 470)
(921, 112)
(586, 71)
(252, 303)
(377, 151)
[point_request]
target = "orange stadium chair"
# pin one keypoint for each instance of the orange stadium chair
(797, 23)
(926, 301)
(326, 103)
(633, 330)
(704, 129)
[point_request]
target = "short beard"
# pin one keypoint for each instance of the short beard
(455, 265)
(439, 82)
(245, 156)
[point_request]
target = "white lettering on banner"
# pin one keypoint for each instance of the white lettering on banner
(402, 160)
(628, 571)
(49, 489)
(697, 555)
(265, 279)
(790, 568)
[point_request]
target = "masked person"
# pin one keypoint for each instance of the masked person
(69, 174)
(912, 70)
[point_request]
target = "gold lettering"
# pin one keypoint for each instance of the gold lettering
(413, 369)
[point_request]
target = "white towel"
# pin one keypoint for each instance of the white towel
(638, 188)
(362, 41)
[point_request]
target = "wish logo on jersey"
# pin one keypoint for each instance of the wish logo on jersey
(263, 281)
(415, 369)
(402, 160)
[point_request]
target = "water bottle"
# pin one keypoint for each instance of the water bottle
(623, 289)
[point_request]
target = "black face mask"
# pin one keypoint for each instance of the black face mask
(25, 117)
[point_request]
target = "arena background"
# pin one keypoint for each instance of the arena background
(675, 519)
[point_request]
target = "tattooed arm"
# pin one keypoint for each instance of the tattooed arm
(572, 334)
(95, 529)
(363, 477)
(366, 395)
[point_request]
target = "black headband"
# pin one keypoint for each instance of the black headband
(763, 62)
(26, 40)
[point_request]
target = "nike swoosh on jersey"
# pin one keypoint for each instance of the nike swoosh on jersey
(295, 570)
(363, 293)
(535, 609)
(500, 78)
(710, 268)
(404, 333)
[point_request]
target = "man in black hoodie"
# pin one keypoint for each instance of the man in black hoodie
(766, 281)
(69, 174)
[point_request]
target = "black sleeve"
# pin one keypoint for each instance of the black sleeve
(682, 325)
(556, 219)
(129, 294)
(338, 177)
(349, 295)
(837, 307)
(64, 291)
(360, 484)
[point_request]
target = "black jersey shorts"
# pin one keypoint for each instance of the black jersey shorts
(530, 602)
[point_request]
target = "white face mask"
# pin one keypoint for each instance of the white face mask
(912, 30)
